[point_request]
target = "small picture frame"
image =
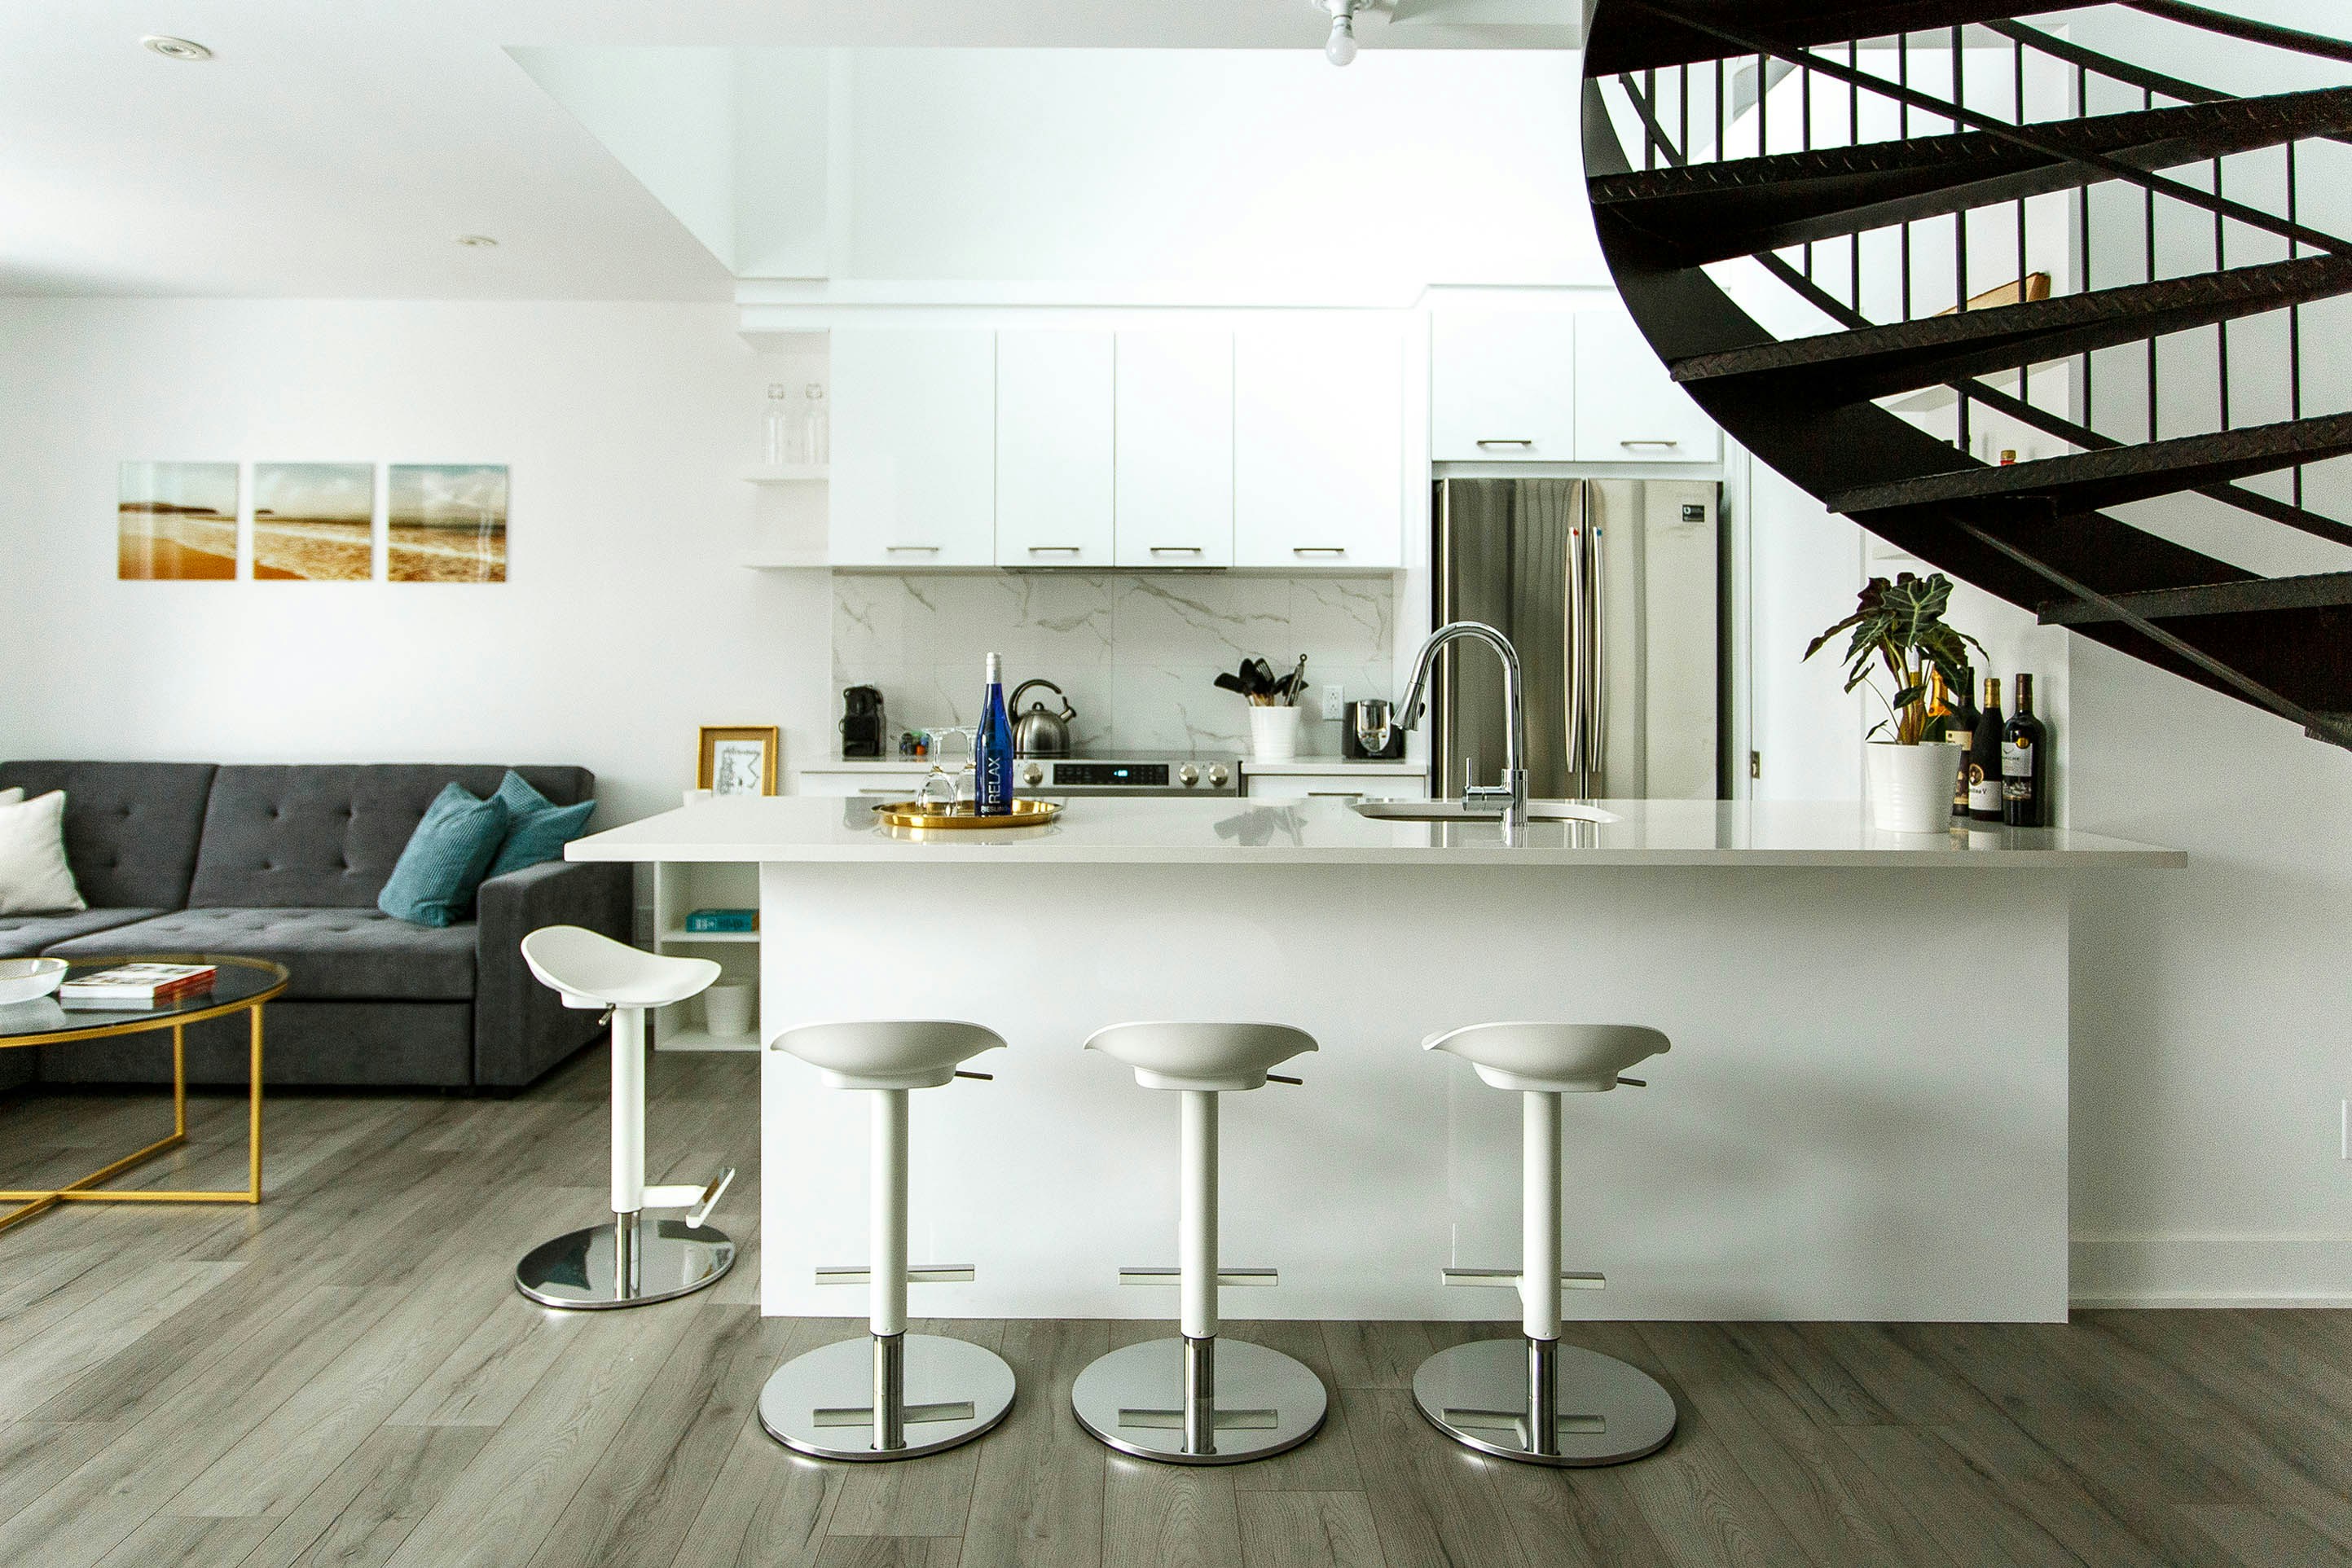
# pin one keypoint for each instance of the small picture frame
(736, 759)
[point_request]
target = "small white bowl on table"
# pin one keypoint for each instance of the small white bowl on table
(28, 979)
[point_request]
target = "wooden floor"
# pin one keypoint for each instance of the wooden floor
(347, 1376)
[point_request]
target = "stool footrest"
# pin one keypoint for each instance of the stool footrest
(1508, 1278)
(922, 1274)
(1176, 1276)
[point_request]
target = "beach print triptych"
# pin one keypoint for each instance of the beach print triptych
(314, 522)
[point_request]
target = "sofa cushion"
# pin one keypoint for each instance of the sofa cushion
(29, 935)
(326, 836)
(434, 880)
(33, 876)
(132, 828)
(537, 828)
(332, 955)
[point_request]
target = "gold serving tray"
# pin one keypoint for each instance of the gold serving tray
(962, 816)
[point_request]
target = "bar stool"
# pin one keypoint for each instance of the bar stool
(1161, 1399)
(893, 1395)
(1532, 1398)
(622, 1264)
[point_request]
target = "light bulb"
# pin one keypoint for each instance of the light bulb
(1341, 46)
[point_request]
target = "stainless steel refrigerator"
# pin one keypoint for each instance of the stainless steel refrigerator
(1609, 588)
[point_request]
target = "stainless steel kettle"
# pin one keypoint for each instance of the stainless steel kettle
(1038, 733)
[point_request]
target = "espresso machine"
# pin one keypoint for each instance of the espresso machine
(862, 723)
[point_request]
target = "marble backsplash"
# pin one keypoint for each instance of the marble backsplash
(1135, 652)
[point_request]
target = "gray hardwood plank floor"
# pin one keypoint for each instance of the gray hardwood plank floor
(346, 1377)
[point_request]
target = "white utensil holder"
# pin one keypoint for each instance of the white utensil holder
(1274, 734)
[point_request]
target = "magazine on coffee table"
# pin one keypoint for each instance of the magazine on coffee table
(127, 986)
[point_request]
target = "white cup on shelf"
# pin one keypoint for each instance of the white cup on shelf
(727, 1009)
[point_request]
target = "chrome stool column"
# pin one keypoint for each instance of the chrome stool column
(1198, 1399)
(626, 1264)
(1533, 1398)
(892, 1395)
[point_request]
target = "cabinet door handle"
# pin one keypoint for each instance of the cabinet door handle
(1175, 550)
(1318, 549)
(1504, 441)
(1649, 442)
(1334, 794)
(932, 550)
(1057, 550)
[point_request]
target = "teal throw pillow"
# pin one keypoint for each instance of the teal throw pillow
(437, 875)
(537, 828)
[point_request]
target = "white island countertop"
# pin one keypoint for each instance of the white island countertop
(1107, 832)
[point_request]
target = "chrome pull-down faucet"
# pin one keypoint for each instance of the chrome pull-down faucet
(1511, 793)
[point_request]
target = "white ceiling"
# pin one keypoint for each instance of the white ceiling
(335, 150)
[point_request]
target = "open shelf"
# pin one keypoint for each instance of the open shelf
(703, 1039)
(711, 937)
(787, 473)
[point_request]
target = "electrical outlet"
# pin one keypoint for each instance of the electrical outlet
(1335, 705)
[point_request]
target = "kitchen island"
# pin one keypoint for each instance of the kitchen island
(1864, 1115)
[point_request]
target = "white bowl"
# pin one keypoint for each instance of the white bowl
(24, 979)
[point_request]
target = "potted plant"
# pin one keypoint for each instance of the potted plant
(1899, 631)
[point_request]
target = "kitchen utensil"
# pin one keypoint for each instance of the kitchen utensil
(1293, 682)
(1038, 733)
(1261, 676)
(28, 979)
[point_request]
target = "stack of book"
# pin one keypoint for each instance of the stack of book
(129, 987)
(706, 921)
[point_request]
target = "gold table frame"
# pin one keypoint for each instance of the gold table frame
(35, 1201)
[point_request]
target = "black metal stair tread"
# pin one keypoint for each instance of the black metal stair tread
(1856, 366)
(1712, 212)
(2090, 480)
(2247, 595)
(1650, 34)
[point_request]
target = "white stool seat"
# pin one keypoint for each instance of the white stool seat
(1215, 1057)
(920, 1054)
(1552, 1058)
(592, 970)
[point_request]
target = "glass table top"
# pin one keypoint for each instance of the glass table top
(242, 982)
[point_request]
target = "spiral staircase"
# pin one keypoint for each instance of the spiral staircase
(1971, 235)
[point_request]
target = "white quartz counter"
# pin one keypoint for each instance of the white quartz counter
(1785, 835)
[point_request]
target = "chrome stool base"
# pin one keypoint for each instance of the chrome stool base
(625, 1263)
(1199, 1401)
(935, 1393)
(1602, 1411)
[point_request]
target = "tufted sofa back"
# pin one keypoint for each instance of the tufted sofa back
(132, 828)
(327, 835)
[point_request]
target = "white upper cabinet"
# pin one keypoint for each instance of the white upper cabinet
(1319, 444)
(1632, 411)
(1174, 471)
(1503, 385)
(914, 447)
(1054, 415)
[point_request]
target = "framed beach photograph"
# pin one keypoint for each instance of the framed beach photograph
(175, 521)
(738, 760)
(445, 522)
(314, 522)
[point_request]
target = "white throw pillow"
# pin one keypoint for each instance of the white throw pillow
(33, 876)
(12, 796)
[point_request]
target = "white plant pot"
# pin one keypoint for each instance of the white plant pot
(727, 1009)
(1911, 786)
(1274, 734)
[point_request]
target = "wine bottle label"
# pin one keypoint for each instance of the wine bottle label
(1984, 793)
(2016, 760)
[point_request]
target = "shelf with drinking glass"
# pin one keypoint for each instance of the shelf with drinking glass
(787, 472)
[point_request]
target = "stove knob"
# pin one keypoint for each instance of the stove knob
(1217, 775)
(1188, 776)
(1033, 774)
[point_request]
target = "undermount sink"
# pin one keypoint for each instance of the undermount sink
(1456, 811)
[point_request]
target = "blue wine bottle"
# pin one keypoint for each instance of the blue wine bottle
(991, 748)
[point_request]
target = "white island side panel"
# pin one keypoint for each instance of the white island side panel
(1829, 1139)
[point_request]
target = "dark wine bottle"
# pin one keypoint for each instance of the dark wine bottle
(1985, 804)
(2025, 764)
(1962, 731)
(991, 748)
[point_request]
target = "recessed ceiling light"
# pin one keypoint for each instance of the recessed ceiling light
(476, 242)
(176, 49)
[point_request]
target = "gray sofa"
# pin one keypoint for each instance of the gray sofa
(285, 862)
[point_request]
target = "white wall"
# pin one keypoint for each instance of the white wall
(624, 626)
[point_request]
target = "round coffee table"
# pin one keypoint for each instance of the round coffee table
(243, 985)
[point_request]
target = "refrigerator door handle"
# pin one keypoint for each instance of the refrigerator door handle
(1574, 682)
(1599, 663)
